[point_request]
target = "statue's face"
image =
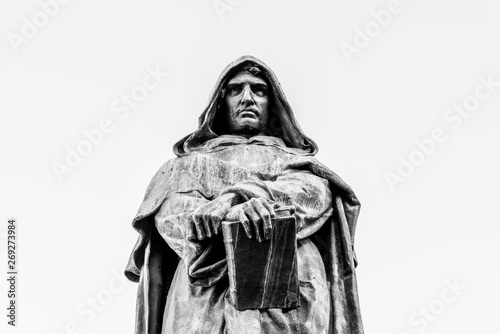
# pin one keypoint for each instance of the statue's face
(247, 104)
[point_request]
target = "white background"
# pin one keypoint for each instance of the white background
(438, 227)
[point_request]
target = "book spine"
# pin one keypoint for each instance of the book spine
(231, 269)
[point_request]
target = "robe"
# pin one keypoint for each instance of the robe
(183, 281)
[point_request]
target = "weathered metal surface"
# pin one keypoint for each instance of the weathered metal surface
(242, 172)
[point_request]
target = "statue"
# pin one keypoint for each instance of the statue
(248, 160)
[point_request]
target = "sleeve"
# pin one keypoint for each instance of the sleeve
(204, 260)
(171, 219)
(308, 193)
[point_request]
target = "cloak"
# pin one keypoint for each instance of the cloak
(153, 263)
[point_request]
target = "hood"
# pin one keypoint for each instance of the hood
(282, 123)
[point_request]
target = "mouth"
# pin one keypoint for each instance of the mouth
(248, 113)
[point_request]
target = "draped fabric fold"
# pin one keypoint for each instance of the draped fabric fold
(279, 166)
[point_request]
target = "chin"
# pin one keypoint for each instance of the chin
(247, 130)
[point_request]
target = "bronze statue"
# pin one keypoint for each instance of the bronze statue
(247, 161)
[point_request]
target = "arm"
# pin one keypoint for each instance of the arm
(175, 221)
(189, 216)
(308, 193)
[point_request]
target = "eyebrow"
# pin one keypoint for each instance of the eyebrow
(234, 83)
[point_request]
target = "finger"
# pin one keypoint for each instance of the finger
(216, 225)
(246, 225)
(206, 223)
(264, 217)
(192, 235)
(199, 228)
(257, 230)
(216, 218)
(269, 208)
(254, 216)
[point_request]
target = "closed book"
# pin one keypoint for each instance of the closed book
(263, 274)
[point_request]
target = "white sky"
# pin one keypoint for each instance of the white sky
(440, 224)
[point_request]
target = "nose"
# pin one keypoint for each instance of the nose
(247, 97)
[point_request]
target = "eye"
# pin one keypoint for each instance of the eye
(234, 90)
(259, 90)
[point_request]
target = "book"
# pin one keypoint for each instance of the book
(263, 274)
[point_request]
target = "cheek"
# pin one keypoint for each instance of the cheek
(263, 104)
(230, 107)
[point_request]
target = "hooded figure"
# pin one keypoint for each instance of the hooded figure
(182, 274)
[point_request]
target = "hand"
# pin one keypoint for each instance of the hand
(205, 221)
(256, 212)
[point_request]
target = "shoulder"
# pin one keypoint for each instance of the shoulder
(156, 190)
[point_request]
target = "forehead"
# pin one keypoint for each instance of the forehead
(245, 77)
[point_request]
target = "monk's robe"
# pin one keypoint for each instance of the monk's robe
(183, 282)
(198, 300)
